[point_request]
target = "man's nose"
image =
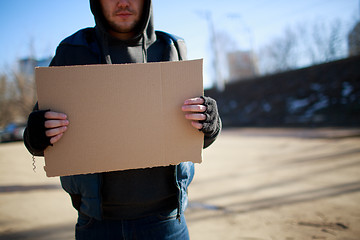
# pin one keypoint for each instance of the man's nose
(123, 3)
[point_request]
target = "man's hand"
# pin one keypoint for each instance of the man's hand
(56, 124)
(194, 110)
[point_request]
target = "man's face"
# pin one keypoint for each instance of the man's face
(122, 16)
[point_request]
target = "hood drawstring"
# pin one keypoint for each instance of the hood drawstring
(108, 59)
(107, 52)
(106, 49)
(144, 49)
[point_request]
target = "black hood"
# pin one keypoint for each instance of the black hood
(145, 33)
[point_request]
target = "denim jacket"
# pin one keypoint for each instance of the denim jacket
(88, 186)
(85, 190)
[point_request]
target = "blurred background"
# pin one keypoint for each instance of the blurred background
(267, 63)
(286, 78)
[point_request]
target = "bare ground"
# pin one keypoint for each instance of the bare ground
(253, 184)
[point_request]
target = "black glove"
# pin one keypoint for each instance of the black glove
(211, 124)
(36, 130)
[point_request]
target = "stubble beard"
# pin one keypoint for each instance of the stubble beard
(123, 27)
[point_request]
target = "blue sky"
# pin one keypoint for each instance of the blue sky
(42, 24)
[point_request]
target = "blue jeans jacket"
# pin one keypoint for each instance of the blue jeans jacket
(88, 186)
(82, 48)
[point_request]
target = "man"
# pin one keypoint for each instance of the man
(132, 204)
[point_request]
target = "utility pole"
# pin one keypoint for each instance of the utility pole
(237, 16)
(218, 79)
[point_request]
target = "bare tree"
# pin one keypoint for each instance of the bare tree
(17, 97)
(304, 45)
(6, 100)
(280, 54)
(26, 93)
(327, 42)
(4, 113)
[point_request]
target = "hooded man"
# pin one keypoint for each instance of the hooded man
(131, 204)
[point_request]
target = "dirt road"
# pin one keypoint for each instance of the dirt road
(253, 184)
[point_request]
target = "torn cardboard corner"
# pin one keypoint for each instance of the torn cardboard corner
(121, 117)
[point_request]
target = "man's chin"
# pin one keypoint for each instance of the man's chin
(124, 28)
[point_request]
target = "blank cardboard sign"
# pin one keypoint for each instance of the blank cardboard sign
(122, 116)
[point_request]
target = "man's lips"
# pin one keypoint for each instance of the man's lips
(123, 14)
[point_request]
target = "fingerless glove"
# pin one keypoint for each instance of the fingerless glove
(36, 130)
(211, 125)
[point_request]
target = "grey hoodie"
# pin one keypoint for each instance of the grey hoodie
(131, 193)
(143, 47)
(140, 192)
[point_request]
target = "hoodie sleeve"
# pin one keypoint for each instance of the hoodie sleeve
(34, 136)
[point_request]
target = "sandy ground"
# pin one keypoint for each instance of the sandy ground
(253, 184)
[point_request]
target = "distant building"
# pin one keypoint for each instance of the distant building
(27, 65)
(242, 65)
(354, 41)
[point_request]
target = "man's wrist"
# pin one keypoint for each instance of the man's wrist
(36, 130)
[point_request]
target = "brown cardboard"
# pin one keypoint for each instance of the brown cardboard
(121, 117)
